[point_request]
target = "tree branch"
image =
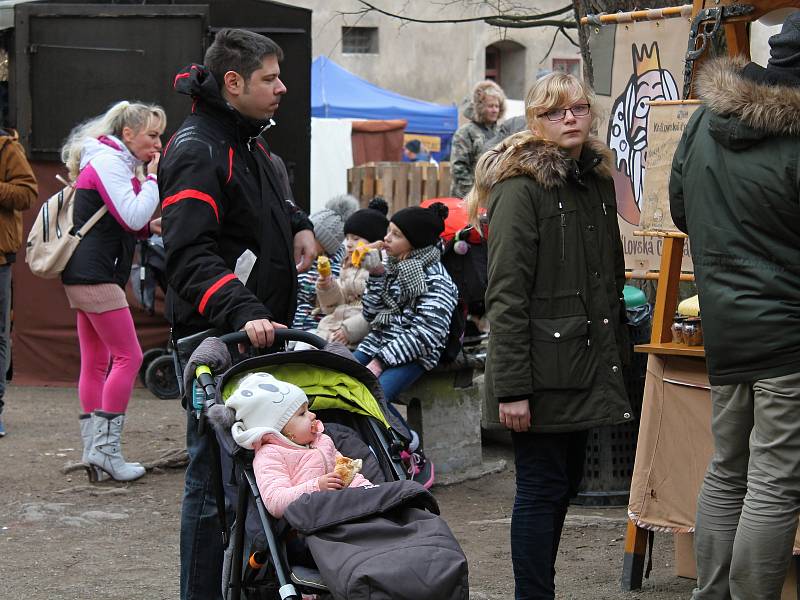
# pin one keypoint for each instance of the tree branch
(504, 22)
(497, 20)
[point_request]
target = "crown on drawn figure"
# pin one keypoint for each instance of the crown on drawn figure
(647, 60)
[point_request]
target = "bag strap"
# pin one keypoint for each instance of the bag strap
(94, 218)
(92, 221)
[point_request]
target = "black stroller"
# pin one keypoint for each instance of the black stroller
(157, 372)
(257, 564)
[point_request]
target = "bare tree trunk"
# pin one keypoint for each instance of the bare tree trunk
(584, 7)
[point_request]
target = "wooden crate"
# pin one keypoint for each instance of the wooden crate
(401, 184)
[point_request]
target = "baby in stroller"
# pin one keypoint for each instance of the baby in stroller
(292, 454)
(360, 537)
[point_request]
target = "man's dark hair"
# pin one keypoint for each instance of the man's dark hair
(239, 50)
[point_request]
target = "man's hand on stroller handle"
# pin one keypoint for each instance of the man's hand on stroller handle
(261, 332)
(330, 481)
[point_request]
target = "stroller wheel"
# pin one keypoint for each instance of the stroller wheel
(148, 357)
(160, 378)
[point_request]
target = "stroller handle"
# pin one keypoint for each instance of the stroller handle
(281, 335)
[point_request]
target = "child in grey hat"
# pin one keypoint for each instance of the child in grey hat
(329, 233)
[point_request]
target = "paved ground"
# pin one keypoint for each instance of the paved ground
(61, 538)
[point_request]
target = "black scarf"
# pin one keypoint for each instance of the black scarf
(410, 275)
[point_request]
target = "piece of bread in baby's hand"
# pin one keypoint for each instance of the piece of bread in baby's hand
(346, 468)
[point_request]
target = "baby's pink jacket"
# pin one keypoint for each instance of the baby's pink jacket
(284, 473)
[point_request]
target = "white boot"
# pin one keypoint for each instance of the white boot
(106, 452)
(87, 435)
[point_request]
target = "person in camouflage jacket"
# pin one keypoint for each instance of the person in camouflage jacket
(483, 111)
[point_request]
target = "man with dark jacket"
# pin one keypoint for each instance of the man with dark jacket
(233, 244)
(735, 189)
(18, 191)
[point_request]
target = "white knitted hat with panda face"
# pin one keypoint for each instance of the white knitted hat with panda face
(263, 405)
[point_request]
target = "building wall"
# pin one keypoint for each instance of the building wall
(436, 62)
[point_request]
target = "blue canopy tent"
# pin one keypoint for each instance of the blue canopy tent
(337, 93)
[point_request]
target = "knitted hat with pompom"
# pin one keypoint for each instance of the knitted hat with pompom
(369, 223)
(329, 222)
(421, 226)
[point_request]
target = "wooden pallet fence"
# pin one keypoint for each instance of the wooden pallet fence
(400, 183)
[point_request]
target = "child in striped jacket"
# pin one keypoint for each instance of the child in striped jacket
(409, 302)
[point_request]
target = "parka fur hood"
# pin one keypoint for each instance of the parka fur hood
(773, 109)
(733, 188)
(482, 91)
(526, 154)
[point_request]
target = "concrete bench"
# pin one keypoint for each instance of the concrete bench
(444, 408)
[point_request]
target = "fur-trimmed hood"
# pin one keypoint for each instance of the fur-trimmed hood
(771, 109)
(482, 91)
(526, 154)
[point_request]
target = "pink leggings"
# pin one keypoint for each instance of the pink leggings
(104, 336)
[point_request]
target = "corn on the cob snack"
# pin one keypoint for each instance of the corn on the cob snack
(358, 254)
(323, 266)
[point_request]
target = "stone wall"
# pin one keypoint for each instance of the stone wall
(436, 62)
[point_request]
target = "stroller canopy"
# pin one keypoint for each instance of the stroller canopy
(324, 387)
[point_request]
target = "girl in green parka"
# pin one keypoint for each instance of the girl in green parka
(554, 303)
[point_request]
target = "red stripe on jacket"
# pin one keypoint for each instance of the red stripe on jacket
(180, 76)
(264, 150)
(197, 195)
(212, 290)
(169, 143)
(183, 75)
(230, 165)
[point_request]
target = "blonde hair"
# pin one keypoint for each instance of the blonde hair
(554, 91)
(481, 93)
(136, 115)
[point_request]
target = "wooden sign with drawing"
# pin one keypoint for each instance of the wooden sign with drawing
(667, 121)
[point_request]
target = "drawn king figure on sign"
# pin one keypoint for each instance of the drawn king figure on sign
(627, 130)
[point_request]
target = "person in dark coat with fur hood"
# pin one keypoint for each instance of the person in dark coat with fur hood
(486, 107)
(735, 189)
(554, 302)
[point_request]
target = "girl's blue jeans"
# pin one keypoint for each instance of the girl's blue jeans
(549, 471)
(394, 379)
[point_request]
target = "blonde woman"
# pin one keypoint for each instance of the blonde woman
(556, 272)
(112, 161)
(486, 107)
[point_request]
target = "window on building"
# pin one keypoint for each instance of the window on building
(493, 63)
(568, 65)
(505, 65)
(359, 40)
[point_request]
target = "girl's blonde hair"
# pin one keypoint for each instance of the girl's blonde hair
(555, 90)
(136, 115)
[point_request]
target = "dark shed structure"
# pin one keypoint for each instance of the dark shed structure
(68, 61)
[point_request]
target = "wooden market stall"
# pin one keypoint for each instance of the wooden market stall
(675, 445)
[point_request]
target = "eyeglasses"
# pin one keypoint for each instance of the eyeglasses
(558, 114)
